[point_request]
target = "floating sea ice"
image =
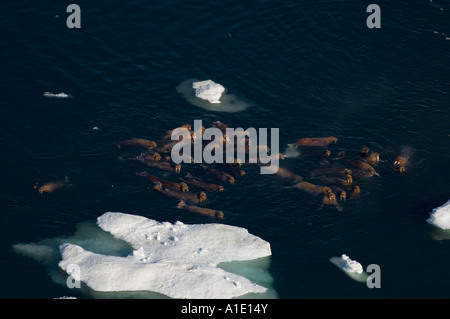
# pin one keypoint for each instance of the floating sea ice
(440, 216)
(210, 96)
(208, 90)
(351, 267)
(61, 95)
(185, 268)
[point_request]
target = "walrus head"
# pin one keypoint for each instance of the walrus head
(356, 190)
(333, 139)
(400, 160)
(218, 214)
(348, 180)
(188, 126)
(177, 168)
(156, 156)
(183, 187)
(347, 171)
(201, 197)
(374, 157)
(343, 196)
(364, 151)
(220, 188)
(231, 180)
(327, 153)
(401, 169)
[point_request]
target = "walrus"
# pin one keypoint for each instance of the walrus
(145, 157)
(288, 176)
(364, 169)
(312, 188)
(223, 176)
(317, 141)
(373, 158)
(50, 187)
(220, 125)
(400, 164)
(168, 134)
(364, 151)
(139, 142)
(337, 171)
(330, 199)
(185, 196)
(355, 192)
(167, 184)
(200, 210)
(340, 192)
(203, 185)
(166, 166)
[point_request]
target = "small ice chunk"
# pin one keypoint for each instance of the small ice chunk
(351, 265)
(61, 95)
(208, 90)
(440, 216)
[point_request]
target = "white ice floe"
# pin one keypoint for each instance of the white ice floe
(61, 95)
(210, 96)
(440, 216)
(351, 267)
(176, 260)
(208, 90)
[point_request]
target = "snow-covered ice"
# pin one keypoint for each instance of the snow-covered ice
(175, 260)
(61, 95)
(440, 216)
(351, 267)
(208, 90)
(210, 96)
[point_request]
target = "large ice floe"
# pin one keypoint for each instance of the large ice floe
(351, 267)
(440, 216)
(210, 95)
(175, 260)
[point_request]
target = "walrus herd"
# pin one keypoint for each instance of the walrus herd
(333, 181)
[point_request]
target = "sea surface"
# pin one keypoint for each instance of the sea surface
(309, 68)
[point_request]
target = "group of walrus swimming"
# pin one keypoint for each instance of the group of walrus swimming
(334, 179)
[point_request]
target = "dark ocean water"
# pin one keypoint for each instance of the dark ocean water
(309, 68)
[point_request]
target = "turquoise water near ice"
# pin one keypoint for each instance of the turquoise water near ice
(309, 68)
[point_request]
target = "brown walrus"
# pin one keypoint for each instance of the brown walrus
(185, 196)
(206, 186)
(364, 151)
(145, 157)
(347, 180)
(373, 158)
(139, 142)
(312, 188)
(355, 192)
(168, 134)
(166, 166)
(167, 184)
(200, 210)
(330, 199)
(50, 187)
(288, 175)
(340, 192)
(223, 176)
(316, 141)
(363, 170)
(400, 164)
